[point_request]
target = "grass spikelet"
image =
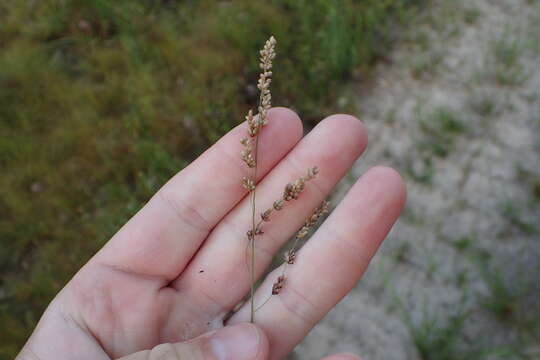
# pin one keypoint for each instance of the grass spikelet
(250, 155)
(290, 255)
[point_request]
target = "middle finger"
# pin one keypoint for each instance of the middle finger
(219, 271)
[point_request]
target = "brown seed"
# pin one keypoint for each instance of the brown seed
(290, 256)
(288, 193)
(248, 184)
(278, 285)
(254, 126)
(247, 156)
(265, 216)
(278, 205)
(312, 219)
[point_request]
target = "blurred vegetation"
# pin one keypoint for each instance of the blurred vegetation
(101, 101)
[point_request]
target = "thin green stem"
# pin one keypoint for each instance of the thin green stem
(264, 303)
(253, 227)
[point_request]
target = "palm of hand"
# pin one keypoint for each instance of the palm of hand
(179, 265)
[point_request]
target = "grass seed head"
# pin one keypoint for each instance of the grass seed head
(247, 152)
(293, 190)
(248, 184)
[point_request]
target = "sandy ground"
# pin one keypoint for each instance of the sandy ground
(457, 111)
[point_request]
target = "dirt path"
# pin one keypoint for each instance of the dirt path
(457, 111)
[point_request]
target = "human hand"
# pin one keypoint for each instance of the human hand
(174, 270)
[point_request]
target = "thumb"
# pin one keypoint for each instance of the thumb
(239, 342)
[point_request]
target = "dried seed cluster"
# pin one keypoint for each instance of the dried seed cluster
(290, 255)
(267, 55)
(312, 220)
(291, 192)
(278, 285)
(247, 152)
(255, 124)
(248, 184)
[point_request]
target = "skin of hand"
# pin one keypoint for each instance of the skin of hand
(161, 287)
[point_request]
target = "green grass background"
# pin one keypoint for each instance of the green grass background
(101, 101)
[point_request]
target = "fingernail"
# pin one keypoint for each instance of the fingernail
(239, 342)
